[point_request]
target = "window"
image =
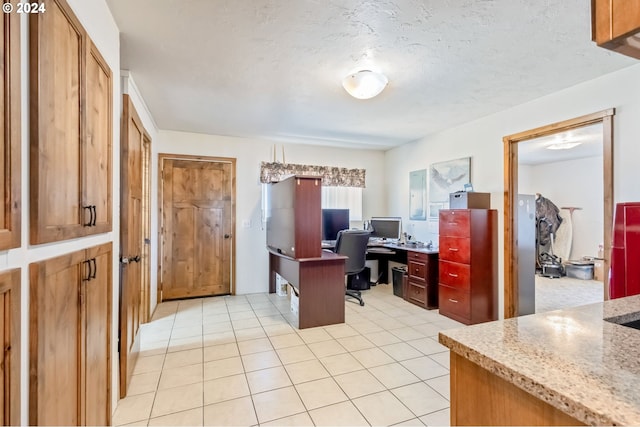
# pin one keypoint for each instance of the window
(343, 198)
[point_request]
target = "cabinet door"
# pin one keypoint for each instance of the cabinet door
(10, 131)
(10, 335)
(97, 323)
(55, 340)
(98, 143)
(57, 55)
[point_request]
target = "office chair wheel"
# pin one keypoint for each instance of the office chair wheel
(361, 303)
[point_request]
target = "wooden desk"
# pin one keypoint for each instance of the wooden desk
(422, 268)
(320, 282)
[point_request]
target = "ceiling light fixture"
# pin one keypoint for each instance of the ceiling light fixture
(564, 145)
(364, 84)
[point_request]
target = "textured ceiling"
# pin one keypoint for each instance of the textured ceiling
(272, 68)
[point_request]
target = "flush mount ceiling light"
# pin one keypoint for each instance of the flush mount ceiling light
(563, 145)
(364, 84)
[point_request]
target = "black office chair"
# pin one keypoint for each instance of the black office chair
(353, 244)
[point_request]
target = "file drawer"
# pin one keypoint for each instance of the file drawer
(456, 303)
(455, 222)
(417, 271)
(455, 275)
(417, 294)
(455, 249)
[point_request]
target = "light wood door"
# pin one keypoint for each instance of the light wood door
(197, 211)
(10, 335)
(10, 131)
(97, 325)
(71, 129)
(97, 148)
(57, 52)
(55, 340)
(131, 239)
(70, 339)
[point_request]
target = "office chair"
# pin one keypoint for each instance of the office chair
(353, 244)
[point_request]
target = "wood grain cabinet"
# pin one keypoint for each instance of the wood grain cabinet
(422, 282)
(71, 129)
(70, 339)
(10, 131)
(469, 265)
(615, 25)
(10, 335)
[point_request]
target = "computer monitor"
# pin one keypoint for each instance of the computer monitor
(334, 220)
(386, 227)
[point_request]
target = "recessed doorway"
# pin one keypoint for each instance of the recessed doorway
(513, 150)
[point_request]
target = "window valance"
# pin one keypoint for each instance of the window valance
(331, 176)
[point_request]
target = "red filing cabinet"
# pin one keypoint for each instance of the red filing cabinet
(468, 286)
(625, 251)
(422, 281)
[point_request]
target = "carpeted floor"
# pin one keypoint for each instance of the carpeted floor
(554, 294)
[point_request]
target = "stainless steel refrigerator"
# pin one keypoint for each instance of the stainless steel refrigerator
(526, 223)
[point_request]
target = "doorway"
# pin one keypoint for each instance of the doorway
(197, 203)
(558, 175)
(511, 149)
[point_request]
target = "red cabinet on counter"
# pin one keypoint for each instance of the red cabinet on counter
(624, 279)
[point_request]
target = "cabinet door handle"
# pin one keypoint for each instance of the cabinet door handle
(87, 268)
(95, 268)
(454, 249)
(94, 215)
(453, 275)
(453, 223)
(90, 223)
(453, 300)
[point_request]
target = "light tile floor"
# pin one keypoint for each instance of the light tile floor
(240, 361)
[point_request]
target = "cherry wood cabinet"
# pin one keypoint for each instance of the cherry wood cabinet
(422, 281)
(70, 338)
(70, 124)
(468, 290)
(10, 335)
(616, 25)
(10, 131)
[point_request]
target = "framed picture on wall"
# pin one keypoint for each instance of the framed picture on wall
(446, 178)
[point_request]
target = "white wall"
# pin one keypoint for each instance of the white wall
(573, 183)
(482, 140)
(98, 21)
(251, 254)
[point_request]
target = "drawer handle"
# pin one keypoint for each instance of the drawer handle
(454, 249)
(453, 300)
(453, 223)
(453, 275)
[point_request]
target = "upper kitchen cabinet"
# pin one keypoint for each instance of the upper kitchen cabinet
(71, 125)
(615, 25)
(10, 130)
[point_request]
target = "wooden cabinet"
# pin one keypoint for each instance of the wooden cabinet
(469, 265)
(70, 339)
(10, 132)
(71, 121)
(422, 281)
(616, 25)
(294, 219)
(10, 335)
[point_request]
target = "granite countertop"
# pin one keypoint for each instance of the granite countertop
(572, 359)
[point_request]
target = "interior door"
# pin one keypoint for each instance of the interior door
(197, 232)
(131, 239)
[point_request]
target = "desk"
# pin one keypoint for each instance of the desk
(422, 268)
(320, 282)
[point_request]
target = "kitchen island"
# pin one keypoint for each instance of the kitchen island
(564, 367)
